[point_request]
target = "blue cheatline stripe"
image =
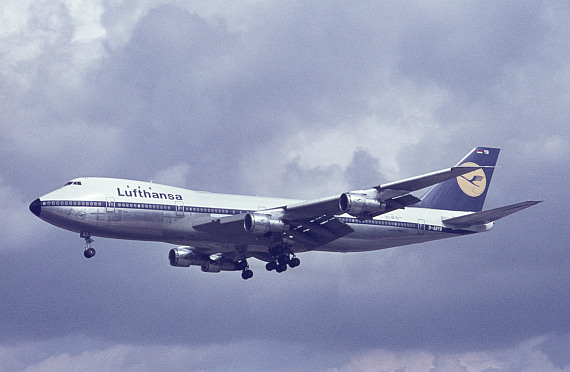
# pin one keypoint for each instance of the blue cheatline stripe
(193, 209)
(143, 206)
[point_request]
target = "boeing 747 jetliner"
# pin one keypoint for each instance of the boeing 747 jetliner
(220, 232)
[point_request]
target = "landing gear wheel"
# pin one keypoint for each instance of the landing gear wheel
(294, 262)
(246, 274)
(271, 266)
(89, 252)
(281, 268)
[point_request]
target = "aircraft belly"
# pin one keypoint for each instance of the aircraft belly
(370, 238)
(72, 218)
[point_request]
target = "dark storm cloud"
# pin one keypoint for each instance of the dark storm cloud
(180, 82)
(300, 100)
(468, 45)
(160, 89)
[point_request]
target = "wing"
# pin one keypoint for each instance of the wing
(313, 223)
(375, 201)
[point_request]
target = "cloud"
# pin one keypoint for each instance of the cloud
(548, 148)
(174, 176)
(464, 37)
(527, 355)
(15, 219)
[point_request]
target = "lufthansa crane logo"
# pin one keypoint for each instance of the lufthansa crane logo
(474, 183)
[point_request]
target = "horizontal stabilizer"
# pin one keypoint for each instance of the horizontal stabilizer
(484, 217)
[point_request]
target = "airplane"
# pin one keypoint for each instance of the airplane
(220, 232)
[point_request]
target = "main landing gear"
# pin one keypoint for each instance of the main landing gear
(283, 259)
(89, 251)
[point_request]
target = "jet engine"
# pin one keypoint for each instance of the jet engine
(259, 224)
(357, 203)
(184, 257)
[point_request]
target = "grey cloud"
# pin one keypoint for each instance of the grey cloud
(469, 45)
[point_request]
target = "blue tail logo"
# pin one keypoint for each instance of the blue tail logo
(465, 193)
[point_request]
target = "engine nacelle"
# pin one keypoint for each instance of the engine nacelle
(259, 224)
(211, 268)
(184, 257)
(219, 264)
(356, 203)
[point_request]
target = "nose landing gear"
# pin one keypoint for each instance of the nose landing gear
(89, 251)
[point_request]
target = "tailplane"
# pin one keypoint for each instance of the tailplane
(465, 193)
(485, 217)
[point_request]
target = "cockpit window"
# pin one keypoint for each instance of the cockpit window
(78, 183)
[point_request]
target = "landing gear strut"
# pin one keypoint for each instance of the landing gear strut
(89, 251)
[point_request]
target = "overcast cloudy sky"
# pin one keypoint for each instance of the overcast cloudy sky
(293, 99)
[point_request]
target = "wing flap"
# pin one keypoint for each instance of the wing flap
(491, 215)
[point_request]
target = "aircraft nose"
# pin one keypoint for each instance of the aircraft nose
(36, 207)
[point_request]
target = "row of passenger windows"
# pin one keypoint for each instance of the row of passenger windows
(210, 210)
(146, 206)
(73, 202)
(138, 206)
(179, 207)
(381, 222)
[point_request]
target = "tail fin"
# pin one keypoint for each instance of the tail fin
(465, 193)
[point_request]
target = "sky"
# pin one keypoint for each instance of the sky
(288, 99)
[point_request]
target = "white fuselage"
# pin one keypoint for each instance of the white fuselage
(136, 210)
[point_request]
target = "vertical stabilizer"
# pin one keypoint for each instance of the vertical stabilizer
(465, 193)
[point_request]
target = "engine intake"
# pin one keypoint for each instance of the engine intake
(184, 257)
(259, 224)
(356, 203)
